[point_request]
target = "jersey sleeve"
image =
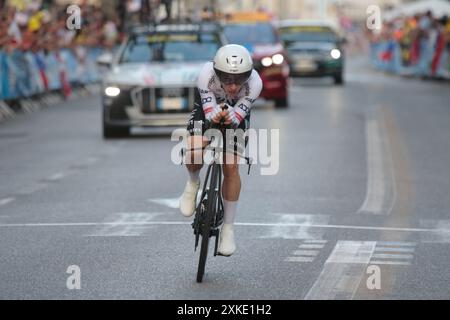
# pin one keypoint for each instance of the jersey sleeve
(208, 99)
(244, 104)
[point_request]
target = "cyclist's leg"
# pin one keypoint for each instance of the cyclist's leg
(194, 159)
(231, 187)
(196, 139)
(232, 182)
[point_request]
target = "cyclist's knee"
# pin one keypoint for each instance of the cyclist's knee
(230, 170)
(230, 159)
(194, 167)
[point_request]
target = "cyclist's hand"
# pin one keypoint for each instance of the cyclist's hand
(216, 119)
(230, 118)
(215, 115)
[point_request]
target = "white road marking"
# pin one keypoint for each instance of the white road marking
(87, 224)
(56, 177)
(342, 271)
(381, 262)
(305, 253)
(380, 172)
(251, 224)
(311, 246)
(392, 256)
(299, 259)
(439, 237)
(173, 203)
(287, 223)
(6, 201)
(352, 252)
(315, 241)
(390, 249)
(393, 253)
(118, 228)
(168, 202)
(394, 243)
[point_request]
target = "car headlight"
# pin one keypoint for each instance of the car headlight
(278, 58)
(335, 53)
(275, 59)
(267, 61)
(112, 91)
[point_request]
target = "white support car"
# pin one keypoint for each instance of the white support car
(151, 80)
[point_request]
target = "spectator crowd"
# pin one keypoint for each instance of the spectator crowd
(39, 53)
(416, 45)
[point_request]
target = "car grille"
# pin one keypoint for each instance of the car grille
(157, 100)
(313, 53)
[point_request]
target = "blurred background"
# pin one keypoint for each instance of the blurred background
(413, 38)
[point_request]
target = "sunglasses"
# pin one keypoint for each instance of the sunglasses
(238, 79)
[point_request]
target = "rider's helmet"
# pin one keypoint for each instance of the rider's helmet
(233, 64)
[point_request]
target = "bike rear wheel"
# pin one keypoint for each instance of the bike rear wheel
(206, 227)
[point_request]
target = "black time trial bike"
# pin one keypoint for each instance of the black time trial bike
(209, 211)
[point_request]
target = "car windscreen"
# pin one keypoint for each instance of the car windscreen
(170, 48)
(307, 34)
(257, 33)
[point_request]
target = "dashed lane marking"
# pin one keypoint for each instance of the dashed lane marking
(6, 201)
(311, 246)
(396, 253)
(299, 259)
(56, 177)
(308, 251)
(311, 253)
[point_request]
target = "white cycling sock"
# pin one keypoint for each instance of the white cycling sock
(230, 211)
(194, 176)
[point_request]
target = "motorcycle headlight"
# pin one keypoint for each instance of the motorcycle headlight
(112, 91)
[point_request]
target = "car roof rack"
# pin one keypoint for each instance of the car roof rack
(176, 26)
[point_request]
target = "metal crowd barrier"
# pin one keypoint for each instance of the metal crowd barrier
(28, 74)
(387, 56)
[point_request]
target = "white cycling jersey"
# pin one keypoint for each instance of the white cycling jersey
(212, 93)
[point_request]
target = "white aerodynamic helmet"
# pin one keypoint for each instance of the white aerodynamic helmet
(233, 64)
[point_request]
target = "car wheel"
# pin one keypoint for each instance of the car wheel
(110, 131)
(338, 78)
(115, 132)
(281, 103)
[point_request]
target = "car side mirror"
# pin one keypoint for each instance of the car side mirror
(105, 60)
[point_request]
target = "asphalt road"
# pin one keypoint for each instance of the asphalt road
(358, 208)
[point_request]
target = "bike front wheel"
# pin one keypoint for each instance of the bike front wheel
(206, 226)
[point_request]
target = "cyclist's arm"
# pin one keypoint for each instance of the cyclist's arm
(208, 99)
(244, 104)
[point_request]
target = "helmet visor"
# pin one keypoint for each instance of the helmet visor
(229, 78)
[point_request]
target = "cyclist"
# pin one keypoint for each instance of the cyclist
(230, 79)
